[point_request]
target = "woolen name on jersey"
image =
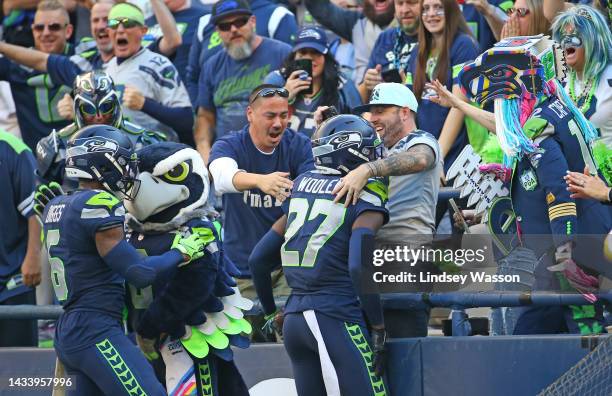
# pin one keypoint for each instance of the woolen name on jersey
(317, 186)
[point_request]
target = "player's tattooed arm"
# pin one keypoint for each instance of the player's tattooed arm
(416, 159)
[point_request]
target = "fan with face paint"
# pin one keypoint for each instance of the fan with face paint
(198, 306)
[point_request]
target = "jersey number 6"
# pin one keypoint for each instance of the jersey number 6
(57, 267)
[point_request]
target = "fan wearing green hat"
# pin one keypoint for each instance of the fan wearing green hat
(151, 90)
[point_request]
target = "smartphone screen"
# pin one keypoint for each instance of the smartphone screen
(306, 65)
(392, 75)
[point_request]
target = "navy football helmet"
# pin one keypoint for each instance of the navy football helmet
(104, 154)
(94, 95)
(343, 142)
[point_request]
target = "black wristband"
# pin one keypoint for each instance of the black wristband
(610, 195)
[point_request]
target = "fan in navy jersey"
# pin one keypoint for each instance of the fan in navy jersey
(321, 245)
(35, 94)
(90, 261)
(63, 67)
(326, 86)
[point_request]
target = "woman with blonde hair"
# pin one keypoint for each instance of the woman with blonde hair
(526, 19)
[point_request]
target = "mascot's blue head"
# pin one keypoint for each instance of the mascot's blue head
(173, 183)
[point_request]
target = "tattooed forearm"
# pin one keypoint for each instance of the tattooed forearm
(417, 159)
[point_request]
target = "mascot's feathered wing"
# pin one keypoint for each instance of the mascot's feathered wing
(197, 310)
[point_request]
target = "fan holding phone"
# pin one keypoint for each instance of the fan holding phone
(310, 74)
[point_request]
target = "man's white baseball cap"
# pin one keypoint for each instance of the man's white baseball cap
(394, 94)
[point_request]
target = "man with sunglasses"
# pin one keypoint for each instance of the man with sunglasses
(253, 169)
(231, 74)
(94, 54)
(273, 21)
(152, 92)
(35, 94)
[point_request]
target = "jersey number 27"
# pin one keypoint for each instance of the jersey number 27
(321, 221)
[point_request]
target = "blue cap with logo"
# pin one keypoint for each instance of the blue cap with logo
(311, 37)
(224, 8)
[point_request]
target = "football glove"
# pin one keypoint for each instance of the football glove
(43, 195)
(193, 246)
(379, 351)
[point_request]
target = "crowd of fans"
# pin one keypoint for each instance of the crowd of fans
(186, 70)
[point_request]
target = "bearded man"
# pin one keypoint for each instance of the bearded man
(229, 76)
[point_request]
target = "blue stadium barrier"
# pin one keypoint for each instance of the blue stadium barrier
(434, 366)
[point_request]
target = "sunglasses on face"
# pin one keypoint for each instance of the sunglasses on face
(126, 22)
(227, 26)
(90, 110)
(53, 27)
(434, 11)
(269, 92)
(571, 42)
(521, 11)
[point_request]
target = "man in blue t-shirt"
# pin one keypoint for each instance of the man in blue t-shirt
(393, 47)
(273, 21)
(253, 168)
(35, 94)
(19, 239)
(230, 75)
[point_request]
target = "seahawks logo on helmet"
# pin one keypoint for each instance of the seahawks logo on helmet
(100, 146)
(344, 142)
(349, 138)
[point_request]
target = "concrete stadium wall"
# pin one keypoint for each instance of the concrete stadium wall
(435, 366)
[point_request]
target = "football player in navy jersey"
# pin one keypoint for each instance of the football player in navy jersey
(90, 262)
(322, 250)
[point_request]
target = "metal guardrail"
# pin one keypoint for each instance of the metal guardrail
(457, 301)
